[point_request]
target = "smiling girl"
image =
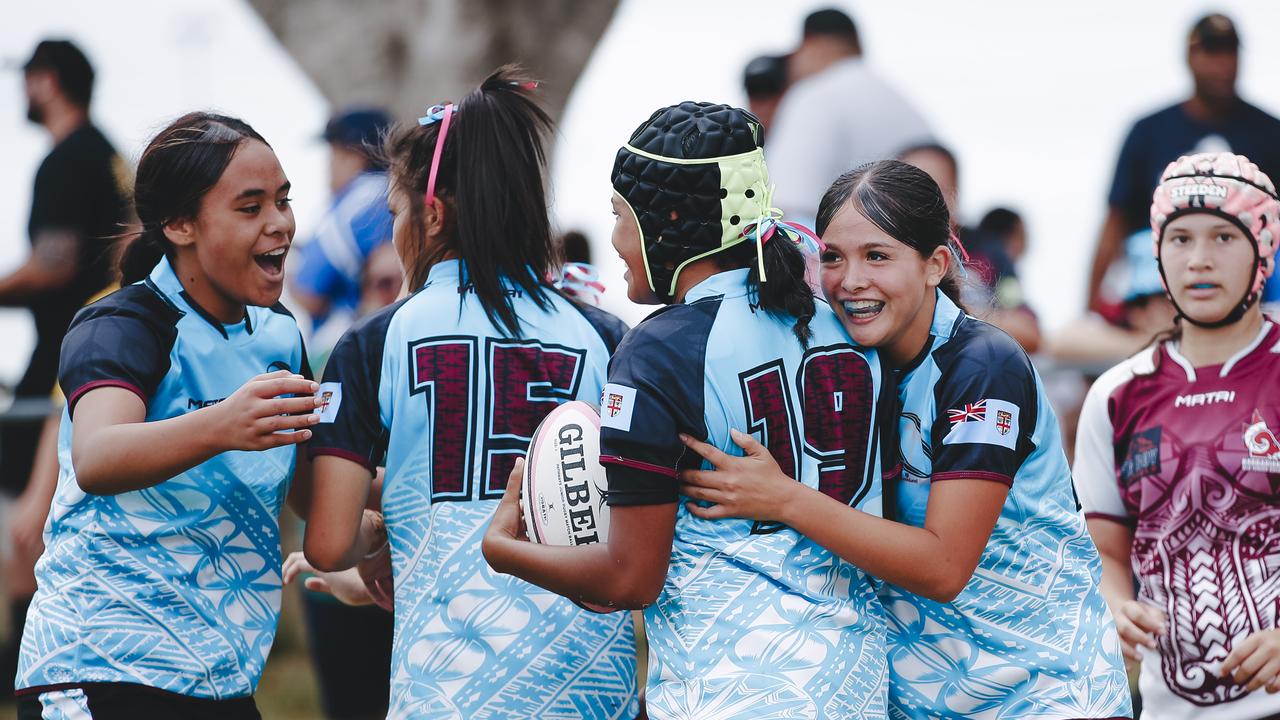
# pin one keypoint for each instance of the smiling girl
(159, 589)
(991, 591)
(1177, 460)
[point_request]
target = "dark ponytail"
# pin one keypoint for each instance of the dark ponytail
(180, 165)
(903, 202)
(785, 291)
(490, 178)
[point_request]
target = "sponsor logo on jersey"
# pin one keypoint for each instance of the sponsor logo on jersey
(988, 421)
(330, 399)
(197, 403)
(1209, 398)
(617, 403)
(1143, 457)
(1264, 450)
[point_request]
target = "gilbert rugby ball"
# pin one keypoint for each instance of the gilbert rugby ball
(564, 486)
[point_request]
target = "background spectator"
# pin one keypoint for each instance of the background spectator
(993, 291)
(78, 207)
(1009, 227)
(327, 282)
(765, 80)
(1214, 119)
(837, 114)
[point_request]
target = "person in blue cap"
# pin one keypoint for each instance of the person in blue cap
(327, 283)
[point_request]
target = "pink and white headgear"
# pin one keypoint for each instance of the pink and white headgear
(1233, 188)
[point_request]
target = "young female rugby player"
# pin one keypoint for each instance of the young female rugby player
(445, 389)
(992, 582)
(744, 620)
(1177, 459)
(186, 390)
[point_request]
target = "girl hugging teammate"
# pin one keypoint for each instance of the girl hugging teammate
(744, 619)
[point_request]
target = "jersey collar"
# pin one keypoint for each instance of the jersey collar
(165, 282)
(730, 283)
(946, 316)
(445, 271)
(1171, 347)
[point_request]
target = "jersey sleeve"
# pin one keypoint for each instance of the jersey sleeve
(1094, 467)
(117, 343)
(350, 424)
(986, 410)
(652, 395)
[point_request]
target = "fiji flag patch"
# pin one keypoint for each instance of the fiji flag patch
(617, 403)
(331, 397)
(990, 422)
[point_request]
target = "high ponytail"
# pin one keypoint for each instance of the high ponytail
(180, 165)
(491, 180)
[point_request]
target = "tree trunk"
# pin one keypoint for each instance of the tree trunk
(407, 55)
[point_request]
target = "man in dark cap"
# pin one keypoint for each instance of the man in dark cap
(765, 79)
(78, 206)
(327, 284)
(1214, 119)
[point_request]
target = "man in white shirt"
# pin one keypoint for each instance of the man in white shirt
(837, 115)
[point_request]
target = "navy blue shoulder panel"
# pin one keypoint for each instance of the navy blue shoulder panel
(655, 391)
(981, 363)
(123, 340)
(355, 431)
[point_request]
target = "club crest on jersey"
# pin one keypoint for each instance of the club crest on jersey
(617, 403)
(330, 397)
(988, 421)
(1264, 450)
(1143, 458)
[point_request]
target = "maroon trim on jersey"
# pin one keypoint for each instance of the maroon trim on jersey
(973, 475)
(1123, 520)
(345, 455)
(637, 465)
(80, 392)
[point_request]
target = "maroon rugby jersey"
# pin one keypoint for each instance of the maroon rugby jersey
(1188, 458)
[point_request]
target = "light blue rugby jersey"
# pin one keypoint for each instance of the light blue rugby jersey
(1030, 636)
(176, 586)
(453, 401)
(754, 620)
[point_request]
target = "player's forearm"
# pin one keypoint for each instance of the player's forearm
(601, 574)
(133, 456)
(1117, 581)
(915, 559)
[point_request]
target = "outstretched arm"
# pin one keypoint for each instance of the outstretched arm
(935, 561)
(626, 571)
(113, 450)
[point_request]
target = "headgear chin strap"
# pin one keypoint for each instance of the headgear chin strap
(1231, 187)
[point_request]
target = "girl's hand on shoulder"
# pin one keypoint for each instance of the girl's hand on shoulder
(1255, 662)
(507, 524)
(1138, 623)
(752, 487)
(254, 416)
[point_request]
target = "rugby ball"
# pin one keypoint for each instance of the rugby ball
(564, 486)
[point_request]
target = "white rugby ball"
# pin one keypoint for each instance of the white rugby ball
(564, 486)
